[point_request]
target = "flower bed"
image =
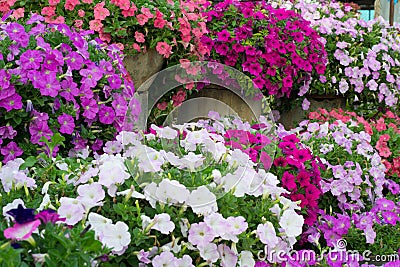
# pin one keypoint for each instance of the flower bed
(148, 203)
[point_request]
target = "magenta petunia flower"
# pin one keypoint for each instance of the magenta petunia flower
(223, 36)
(288, 181)
(106, 114)
(67, 123)
(255, 69)
(47, 216)
(302, 155)
(11, 151)
(266, 160)
(280, 162)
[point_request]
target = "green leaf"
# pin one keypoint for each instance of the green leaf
(29, 162)
(57, 139)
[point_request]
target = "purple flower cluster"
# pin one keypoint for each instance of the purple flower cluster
(358, 175)
(363, 57)
(58, 81)
(276, 47)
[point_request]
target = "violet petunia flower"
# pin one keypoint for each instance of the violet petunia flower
(67, 123)
(106, 114)
(49, 215)
(11, 151)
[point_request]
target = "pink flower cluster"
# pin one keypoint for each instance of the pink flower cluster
(276, 47)
(167, 26)
(250, 143)
(300, 172)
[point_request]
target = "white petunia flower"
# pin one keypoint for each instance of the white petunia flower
(162, 222)
(202, 201)
(246, 259)
(266, 233)
(116, 236)
(209, 252)
(171, 191)
(98, 222)
(292, 223)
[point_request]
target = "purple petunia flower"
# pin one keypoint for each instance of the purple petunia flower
(11, 102)
(31, 59)
(70, 89)
(47, 216)
(91, 76)
(120, 106)
(106, 114)
(39, 128)
(390, 217)
(11, 151)
(114, 81)
(67, 123)
(7, 132)
(35, 18)
(74, 60)
(17, 33)
(22, 215)
(49, 85)
(90, 108)
(385, 204)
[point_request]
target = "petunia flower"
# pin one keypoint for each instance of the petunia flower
(21, 231)
(106, 114)
(67, 123)
(49, 215)
(292, 223)
(11, 151)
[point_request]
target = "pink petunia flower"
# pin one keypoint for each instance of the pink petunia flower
(139, 37)
(164, 49)
(21, 231)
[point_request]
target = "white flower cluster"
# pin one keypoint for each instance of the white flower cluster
(12, 177)
(115, 236)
